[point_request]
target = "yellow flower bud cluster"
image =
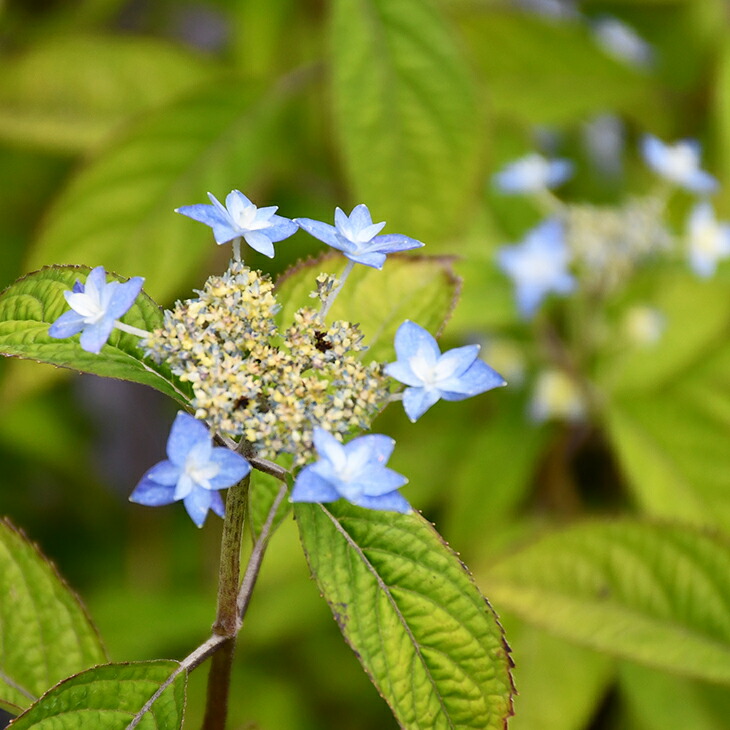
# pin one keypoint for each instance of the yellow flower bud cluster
(252, 380)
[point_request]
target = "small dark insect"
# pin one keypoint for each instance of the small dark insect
(320, 342)
(241, 403)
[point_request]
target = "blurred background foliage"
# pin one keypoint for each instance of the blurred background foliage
(114, 112)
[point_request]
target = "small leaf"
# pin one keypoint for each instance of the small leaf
(412, 614)
(420, 288)
(119, 210)
(32, 303)
(406, 113)
(109, 697)
(45, 634)
(655, 594)
(51, 96)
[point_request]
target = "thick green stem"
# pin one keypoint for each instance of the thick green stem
(219, 685)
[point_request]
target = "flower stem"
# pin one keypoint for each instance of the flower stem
(257, 555)
(331, 298)
(227, 622)
(129, 329)
(237, 249)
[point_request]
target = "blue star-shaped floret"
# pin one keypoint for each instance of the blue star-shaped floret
(708, 240)
(355, 471)
(533, 173)
(538, 265)
(240, 218)
(357, 236)
(95, 307)
(679, 163)
(431, 376)
(193, 472)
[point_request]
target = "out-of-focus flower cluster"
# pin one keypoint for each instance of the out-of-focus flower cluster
(269, 386)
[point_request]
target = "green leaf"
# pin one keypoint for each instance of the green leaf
(655, 594)
(545, 72)
(560, 684)
(119, 210)
(263, 490)
(671, 441)
(420, 288)
(406, 113)
(45, 634)
(659, 701)
(32, 303)
(411, 613)
(51, 96)
(109, 697)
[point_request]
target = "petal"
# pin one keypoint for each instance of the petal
(412, 340)
(329, 448)
(322, 231)
(68, 324)
(237, 204)
(391, 502)
(151, 493)
(360, 218)
(96, 279)
(197, 503)
(558, 172)
(416, 401)
(654, 151)
(185, 487)
(225, 215)
(310, 487)
(216, 504)
(456, 361)
(211, 215)
(369, 232)
(164, 473)
(392, 243)
(233, 468)
(701, 182)
(95, 336)
(402, 372)
(124, 297)
(369, 452)
(479, 378)
(186, 431)
(380, 481)
(260, 242)
(282, 228)
(373, 260)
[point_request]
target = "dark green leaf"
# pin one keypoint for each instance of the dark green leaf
(45, 634)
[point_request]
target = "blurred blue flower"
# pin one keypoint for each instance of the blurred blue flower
(621, 41)
(430, 376)
(259, 227)
(708, 240)
(95, 307)
(357, 236)
(538, 265)
(355, 471)
(193, 472)
(533, 173)
(679, 163)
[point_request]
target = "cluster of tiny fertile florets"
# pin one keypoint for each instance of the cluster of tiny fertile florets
(252, 381)
(609, 242)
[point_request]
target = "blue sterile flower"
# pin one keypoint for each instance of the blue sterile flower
(622, 42)
(193, 472)
(538, 265)
(431, 376)
(240, 218)
(357, 236)
(355, 471)
(95, 307)
(679, 163)
(708, 240)
(533, 173)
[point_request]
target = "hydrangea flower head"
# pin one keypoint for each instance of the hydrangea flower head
(538, 265)
(708, 240)
(430, 376)
(240, 218)
(355, 471)
(533, 173)
(679, 163)
(357, 236)
(193, 472)
(95, 307)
